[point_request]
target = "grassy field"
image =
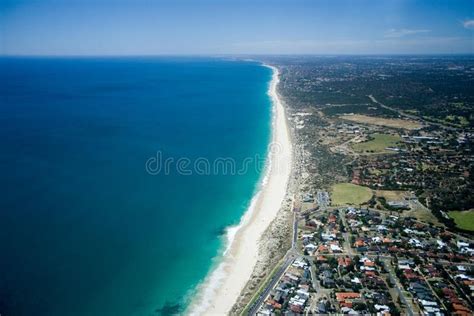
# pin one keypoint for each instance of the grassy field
(348, 193)
(380, 121)
(463, 219)
(392, 195)
(377, 144)
(416, 210)
(422, 214)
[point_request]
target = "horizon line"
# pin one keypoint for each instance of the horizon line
(238, 55)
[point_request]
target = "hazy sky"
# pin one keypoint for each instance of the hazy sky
(139, 27)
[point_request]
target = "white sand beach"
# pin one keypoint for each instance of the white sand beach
(223, 286)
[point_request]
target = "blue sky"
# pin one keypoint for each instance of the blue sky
(139, 27)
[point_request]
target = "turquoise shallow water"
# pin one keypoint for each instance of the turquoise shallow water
(84, 228)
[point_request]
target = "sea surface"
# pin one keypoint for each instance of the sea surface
(90, 222)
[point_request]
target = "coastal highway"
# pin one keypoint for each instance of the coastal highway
(295, 232)
(290, 256)
(296, 210)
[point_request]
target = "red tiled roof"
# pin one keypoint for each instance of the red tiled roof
(323, 248)
(460, 307)
(346, 304)
(349, 295)
(321, 258)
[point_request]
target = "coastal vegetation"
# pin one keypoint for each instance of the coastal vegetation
(348, 193)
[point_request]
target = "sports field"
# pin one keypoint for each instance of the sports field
(463, 219)
(348, 193)
(377, 144)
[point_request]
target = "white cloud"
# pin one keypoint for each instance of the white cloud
(468, 24)
(397, 33)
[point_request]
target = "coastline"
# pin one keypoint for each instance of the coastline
(223, 286)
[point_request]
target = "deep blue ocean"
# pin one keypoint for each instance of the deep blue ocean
(85, 229)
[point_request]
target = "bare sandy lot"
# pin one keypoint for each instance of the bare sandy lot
(374, 120)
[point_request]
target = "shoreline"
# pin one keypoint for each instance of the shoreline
(223, 286)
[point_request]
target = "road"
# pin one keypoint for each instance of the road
(289, 257)
(431, 288)
(460, 289)
(347, 236)
(273, 281)
(295, 232)
(394, 280)
(386, 262)
(296, 209)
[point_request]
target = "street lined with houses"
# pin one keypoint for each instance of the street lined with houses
(352, 260)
